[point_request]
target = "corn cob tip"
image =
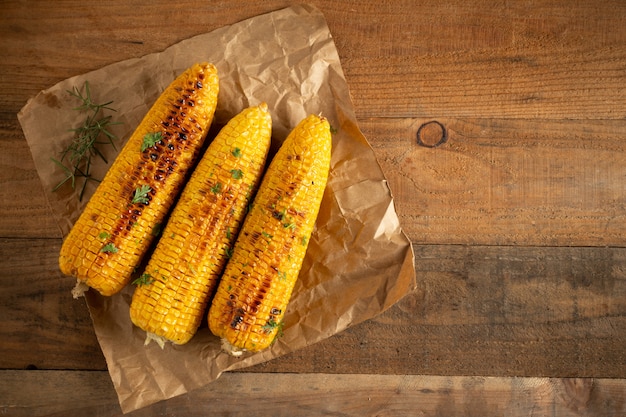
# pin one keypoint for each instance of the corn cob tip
(159, 340)
(79, 289)
(231, 349)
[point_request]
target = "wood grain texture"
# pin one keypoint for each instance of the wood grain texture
(497, 311)
(507, 181)
(517, 218)
(491, 311)
(63, 393)
(38, 311)
(531, 60)
(24, 209)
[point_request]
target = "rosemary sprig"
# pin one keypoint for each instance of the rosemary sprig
(76, 159)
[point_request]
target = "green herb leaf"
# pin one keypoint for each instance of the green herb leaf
(141, 194)
(76, 159)
(109, 248)
(237, 153)
(237, 173)
(273, 324)
(150, 139)
(104, 235)
(144, 279)
(217, 188)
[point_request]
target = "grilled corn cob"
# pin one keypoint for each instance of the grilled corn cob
(117, 226)
(258, 280)
(184, 269)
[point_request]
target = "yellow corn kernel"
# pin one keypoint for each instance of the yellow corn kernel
(255, 288)
(117, 226)
(182, 273)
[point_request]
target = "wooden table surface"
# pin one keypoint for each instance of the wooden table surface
(518, 220)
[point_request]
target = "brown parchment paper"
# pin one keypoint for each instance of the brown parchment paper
(359, 262)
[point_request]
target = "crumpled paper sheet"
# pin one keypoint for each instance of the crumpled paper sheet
(359, 262)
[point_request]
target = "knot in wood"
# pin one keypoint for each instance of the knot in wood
(432, 134)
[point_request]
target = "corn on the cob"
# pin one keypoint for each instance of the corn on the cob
(184, 269)
(258, 280)
(117, 226)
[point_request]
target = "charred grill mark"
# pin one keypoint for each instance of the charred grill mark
(296, 213)
(237, 322)
(255, 236)
(159, 162)
(278, 215)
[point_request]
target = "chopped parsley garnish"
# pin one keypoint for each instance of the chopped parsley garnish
(109, 248)
(141, 194)
(217, 188)
(150, 139)
(144, 279)
(273, 324)
(237, 173)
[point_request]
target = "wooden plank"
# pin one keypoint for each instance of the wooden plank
(539, 83)
(497, 311)
(459, 58)
(486, 59)
(24, 209)
(507, 181)
(42, 325)
(75, 393)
